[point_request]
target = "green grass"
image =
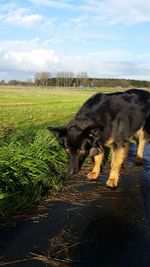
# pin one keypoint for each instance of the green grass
(31, 161)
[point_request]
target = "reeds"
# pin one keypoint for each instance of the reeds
(26, 172)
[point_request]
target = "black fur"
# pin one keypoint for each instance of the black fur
(115, 116)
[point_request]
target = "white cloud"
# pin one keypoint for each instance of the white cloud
(34, 60)
(21, 17)
(21, 59)
(127, 12)
(116, 66)
(35, 57)
(109, 12)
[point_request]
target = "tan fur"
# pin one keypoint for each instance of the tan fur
(98, 159)
(118, 158)
(109, 142)
(142, 141)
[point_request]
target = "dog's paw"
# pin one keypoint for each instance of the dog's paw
(92, 175)
(112, 182)
(139, 161)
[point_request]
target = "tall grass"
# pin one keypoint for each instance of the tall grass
(28, 171)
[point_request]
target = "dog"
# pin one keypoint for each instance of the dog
(106, 121)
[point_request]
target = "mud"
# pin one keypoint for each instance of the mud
(89, 225)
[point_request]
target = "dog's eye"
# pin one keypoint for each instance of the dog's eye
(67, 150)
(81, 152)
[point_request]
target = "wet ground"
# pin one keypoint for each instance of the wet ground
(89, 225)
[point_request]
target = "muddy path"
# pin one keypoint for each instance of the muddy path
(89, 225)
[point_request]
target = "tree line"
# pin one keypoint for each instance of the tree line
(80, 79)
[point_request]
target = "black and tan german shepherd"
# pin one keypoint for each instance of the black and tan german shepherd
(106, 120)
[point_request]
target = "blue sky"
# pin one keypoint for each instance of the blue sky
(105, 38)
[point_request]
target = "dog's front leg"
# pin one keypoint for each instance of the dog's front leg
(118, 158)
(141, 146)
(98, 159)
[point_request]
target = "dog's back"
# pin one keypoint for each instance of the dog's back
(130, 109)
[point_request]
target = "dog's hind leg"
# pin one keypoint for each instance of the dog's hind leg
(119, 156)
(98, 159)
(141, 144)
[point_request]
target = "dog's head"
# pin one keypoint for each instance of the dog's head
(78, 143)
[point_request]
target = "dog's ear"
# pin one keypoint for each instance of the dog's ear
(59, 132)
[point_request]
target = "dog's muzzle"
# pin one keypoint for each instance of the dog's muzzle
(74, 164)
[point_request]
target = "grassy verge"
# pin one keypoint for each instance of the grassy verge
(28, 171)
(31, 161)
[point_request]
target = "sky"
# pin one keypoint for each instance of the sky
(105, 38)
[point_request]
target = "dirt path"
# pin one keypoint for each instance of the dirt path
(88, 226)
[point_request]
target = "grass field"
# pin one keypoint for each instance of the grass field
(31, 161)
